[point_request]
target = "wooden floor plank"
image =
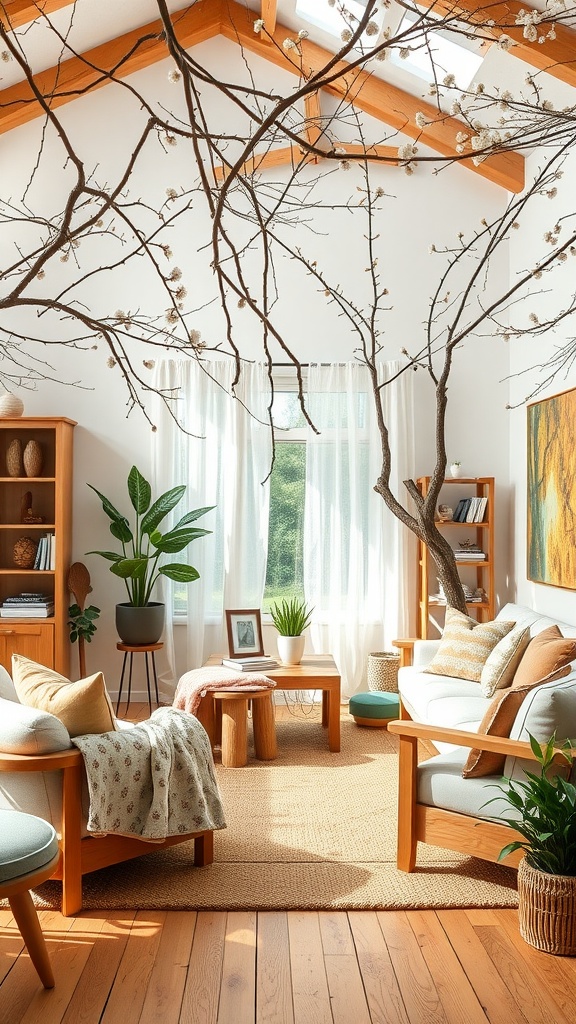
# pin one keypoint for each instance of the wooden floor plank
(131, 982)
(309, 982)
(382, 992)
(546, 969)
(108, 944)
(347, 996)
(11, 943)
(457, 996)
(419, 994)
(482, 973)
(168, 978)
(202, 989)
(273, 980)
(336, 935)
(238, 991)
(526, 994)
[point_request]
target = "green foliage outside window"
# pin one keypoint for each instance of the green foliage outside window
(284, 575)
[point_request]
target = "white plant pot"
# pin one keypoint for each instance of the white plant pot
(455, 470)
(291, 649)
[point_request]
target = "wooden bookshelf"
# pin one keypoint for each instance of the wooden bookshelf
(45, 640)
(474, 574)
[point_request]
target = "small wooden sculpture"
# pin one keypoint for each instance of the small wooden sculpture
(27, 514)
(81, 620)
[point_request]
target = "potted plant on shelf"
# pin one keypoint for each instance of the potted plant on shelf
(546, 809)
(455, 468)
(141, 620)
(291, 618)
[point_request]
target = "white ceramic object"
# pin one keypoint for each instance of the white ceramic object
(455, 469)
(11, 406)
(291, 649)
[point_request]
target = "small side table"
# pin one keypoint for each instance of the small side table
(234, 708)
(132, 649)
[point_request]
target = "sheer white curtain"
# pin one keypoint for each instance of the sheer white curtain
(356, 553)
(223, 459)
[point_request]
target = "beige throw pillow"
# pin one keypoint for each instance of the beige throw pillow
(465, 645)
(83, 707)
(546, 653)
(498, 721)
(503, 660)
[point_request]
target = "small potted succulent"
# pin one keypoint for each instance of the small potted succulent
(455, 468)
(291, 617)
(141, 620)
(545, 807)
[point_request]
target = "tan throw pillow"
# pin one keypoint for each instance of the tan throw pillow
(498, 721)
(546, 653)
(465, 645)
(503, 660)
(83, 707)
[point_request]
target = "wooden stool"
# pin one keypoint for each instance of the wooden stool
(29, 854)
(234, 706)
(132, 649)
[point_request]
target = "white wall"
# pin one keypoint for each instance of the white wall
(418, 210)
(529, 364)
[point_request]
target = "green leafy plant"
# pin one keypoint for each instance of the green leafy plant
(547, 808)
(82, 622)
(291, 616)
(143, 545)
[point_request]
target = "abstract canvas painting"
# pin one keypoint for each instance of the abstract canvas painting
(552, 491)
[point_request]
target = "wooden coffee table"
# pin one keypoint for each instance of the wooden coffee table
(315, 672)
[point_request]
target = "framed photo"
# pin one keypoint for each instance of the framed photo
(551, 524)
(244, 632)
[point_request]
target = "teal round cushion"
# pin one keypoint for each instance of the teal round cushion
(27, 843)
(376, 704)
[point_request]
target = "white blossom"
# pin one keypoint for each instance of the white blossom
(175, 274)
(195, 339)
(562, 256)
(110, 362)
(449, 81)
(289, 44)
(174, 75)
(505, 42)
(421, 120)
(148, 363)
(346, 35)
(533, 318)
(171, 193)
(6, 56)
(181, 293)
(172, 316)
(167, 251)
(258, 25)
(41, 274)
(372, 28)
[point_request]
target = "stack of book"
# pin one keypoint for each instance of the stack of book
(27, 606)
(255, 664)
(46, 552)
(470, 510)
(472, 553)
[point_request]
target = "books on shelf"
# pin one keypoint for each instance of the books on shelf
(254, 664)
(470, 510)
(27, 606)
(46, 552)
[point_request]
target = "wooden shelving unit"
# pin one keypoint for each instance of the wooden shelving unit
(42, 639)
(477, 574)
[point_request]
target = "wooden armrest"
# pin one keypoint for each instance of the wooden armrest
(39, 762)
(406, 648)
(459, 738)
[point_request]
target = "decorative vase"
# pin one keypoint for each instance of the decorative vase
(291, 649)
(14, 463)
(140, 626)
(547, 910)
(24, 553)
(32, 459)
(11, 406)
(455, 468)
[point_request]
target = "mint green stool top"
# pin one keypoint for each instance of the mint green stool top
(376, 708)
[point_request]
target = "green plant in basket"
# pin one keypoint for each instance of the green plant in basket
(291, 616)
(546, 805)
(143, 545)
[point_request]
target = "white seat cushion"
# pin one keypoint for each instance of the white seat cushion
(440, 784)
(441, 700)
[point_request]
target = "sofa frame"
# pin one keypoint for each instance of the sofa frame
(79, 855)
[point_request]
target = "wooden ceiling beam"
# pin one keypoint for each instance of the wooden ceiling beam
(15, 13)
(374, 96)
(269, 14)
(555, 56)
(74, 77)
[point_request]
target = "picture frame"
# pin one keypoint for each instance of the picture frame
(244, 628)
(551, 513)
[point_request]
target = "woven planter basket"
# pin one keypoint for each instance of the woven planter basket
(383, 671)
(547, 910)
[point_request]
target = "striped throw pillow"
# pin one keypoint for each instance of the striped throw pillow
(465, 645)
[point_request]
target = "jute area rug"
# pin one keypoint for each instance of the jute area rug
(311, 830)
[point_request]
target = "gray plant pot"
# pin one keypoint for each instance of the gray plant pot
(139, 626)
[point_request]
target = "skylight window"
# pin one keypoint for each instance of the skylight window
(449, 57)
(319, 13)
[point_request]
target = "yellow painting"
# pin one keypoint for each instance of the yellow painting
(552, 491)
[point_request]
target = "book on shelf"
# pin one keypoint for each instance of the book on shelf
(29, 598)
(26, 611)
(256, 664)
(46, 552)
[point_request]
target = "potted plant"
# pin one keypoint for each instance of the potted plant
(141, 620)
(455, 468)
(291, 618)
(546, 819)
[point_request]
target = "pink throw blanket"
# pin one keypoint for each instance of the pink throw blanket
(194, 685)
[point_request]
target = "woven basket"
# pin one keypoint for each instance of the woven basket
(547, 910)
(383, 671)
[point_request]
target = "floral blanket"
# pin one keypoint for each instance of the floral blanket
(153, 780)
